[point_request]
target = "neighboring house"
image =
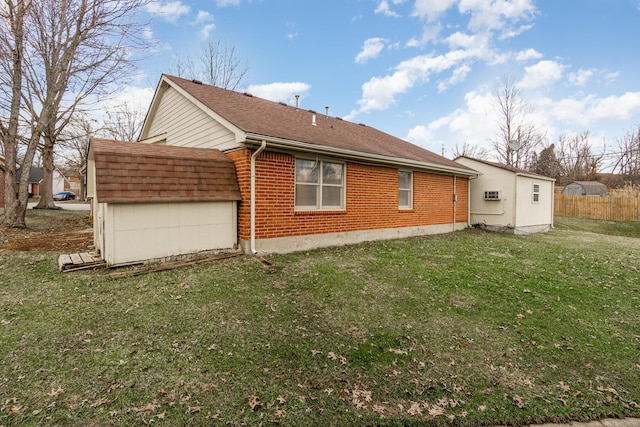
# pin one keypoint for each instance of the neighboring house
(585, 188)
(505, 198)
(36, 176)
(156, 202)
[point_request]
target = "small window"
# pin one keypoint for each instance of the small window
(319, 184)
(492, 195)
(405, 189)
(536, 193)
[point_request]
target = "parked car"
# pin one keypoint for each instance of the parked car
(64, 195)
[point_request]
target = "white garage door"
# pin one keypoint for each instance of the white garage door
(142, 231)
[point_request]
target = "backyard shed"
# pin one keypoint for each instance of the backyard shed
(505, 198)
(585, 188)
(153, 202)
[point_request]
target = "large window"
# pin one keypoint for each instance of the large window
(319, 184)
(536, 193)
(405, 189)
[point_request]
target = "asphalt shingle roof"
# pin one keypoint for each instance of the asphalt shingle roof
(259, 116)
(130, 172)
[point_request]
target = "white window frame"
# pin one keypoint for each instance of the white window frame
(320, 185)
(409, 190)
(535, 193)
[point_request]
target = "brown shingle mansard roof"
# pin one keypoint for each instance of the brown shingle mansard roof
(130, 172)
(254, 115)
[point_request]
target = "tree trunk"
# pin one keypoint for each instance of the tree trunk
(46, 189)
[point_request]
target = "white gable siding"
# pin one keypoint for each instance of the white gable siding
(187, 125)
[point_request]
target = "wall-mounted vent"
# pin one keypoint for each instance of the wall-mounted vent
(492, 195)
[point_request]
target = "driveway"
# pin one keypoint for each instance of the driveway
(70, 205)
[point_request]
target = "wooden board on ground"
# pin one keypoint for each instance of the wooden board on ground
(81, 261)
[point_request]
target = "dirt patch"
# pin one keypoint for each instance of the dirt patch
(52, 231)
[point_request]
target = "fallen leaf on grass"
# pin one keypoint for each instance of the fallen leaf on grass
(193, 409)
(254, 402)
(414, 409)
(55, 393)
(15, 409)
(563, 386)
(100, 402)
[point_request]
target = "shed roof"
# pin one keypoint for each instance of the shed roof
(264, 118)
(131, 172)
(591, 187)
(509, 168)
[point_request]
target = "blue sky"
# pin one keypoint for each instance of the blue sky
(422, 70)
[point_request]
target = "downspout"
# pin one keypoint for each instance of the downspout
(253, 196)
(455, 202)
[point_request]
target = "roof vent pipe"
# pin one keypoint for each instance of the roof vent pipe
(313, 119)
(297, 100)
(326, 111)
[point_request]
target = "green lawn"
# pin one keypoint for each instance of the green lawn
(471, 328)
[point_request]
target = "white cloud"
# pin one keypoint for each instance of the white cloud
(525, 55)
(496, 14)
(458, 76)
(205, 31)
(169, 11)
(370, 50)
(380, 92)
(225, 3)
(203, 17)
(581, 77)
(541, 74)
(280, 91)
(383, 8)
(623, 107)
(431, 10)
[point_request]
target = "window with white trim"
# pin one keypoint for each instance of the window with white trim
(405, 189)
(319, 184)
(536, 193)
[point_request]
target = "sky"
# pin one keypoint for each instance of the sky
(423, 70)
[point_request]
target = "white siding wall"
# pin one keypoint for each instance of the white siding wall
(58, 182)
(530, 213)
(187, 125)
(492, 212)
(142, 231)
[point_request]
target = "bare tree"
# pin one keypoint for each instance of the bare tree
(124, 122)
(216, 64)
(12, 50)
(70, 50)
(577, 162)
(469, 150)
(73, 146)
(627, 158)
(512, 111)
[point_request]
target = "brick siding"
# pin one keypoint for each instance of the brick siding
(371, 199)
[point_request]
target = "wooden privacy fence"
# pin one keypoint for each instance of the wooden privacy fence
(595, 207)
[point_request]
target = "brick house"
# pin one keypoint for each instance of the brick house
(307, 179)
